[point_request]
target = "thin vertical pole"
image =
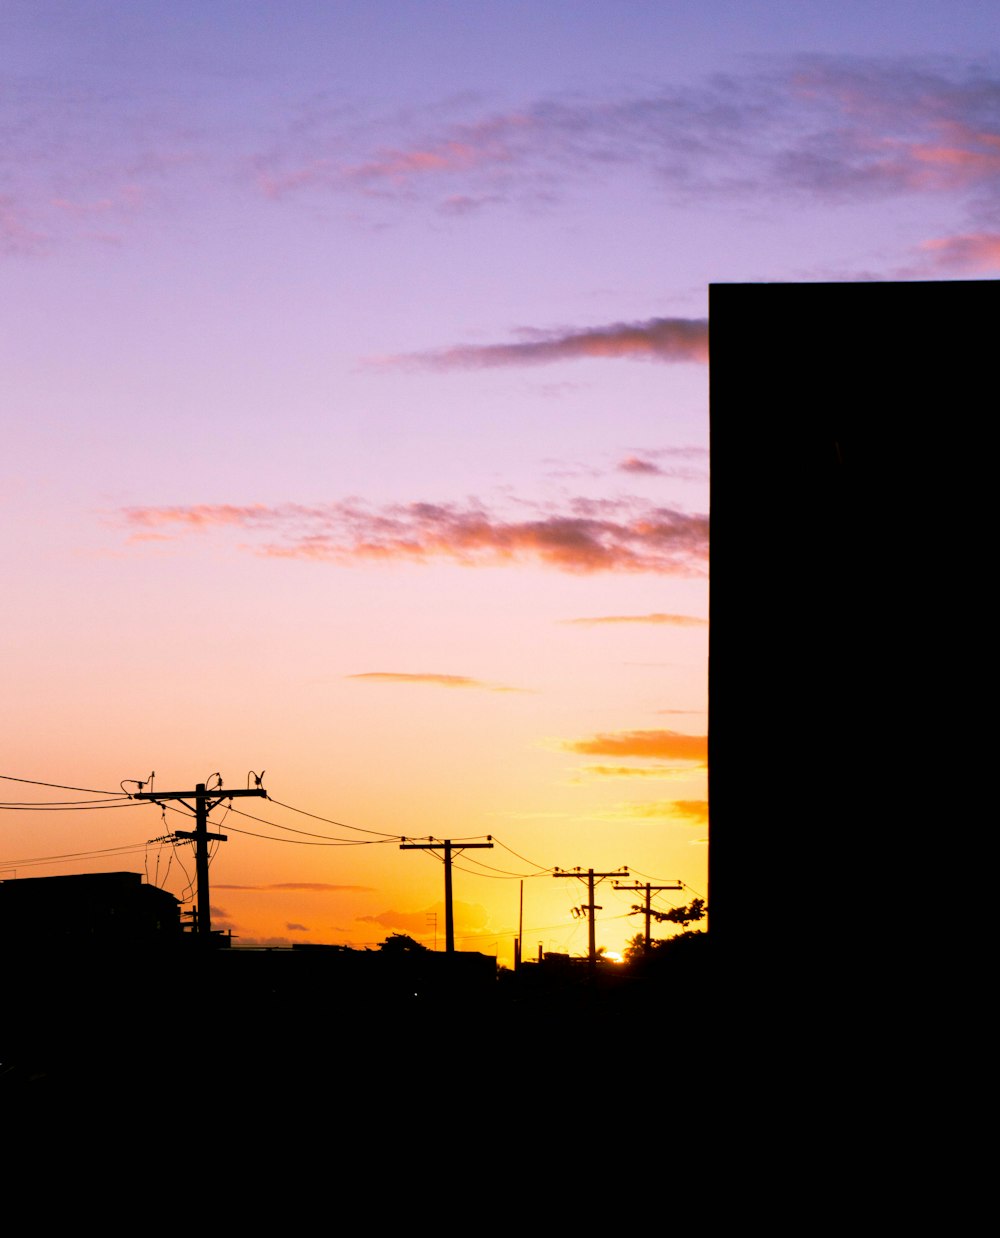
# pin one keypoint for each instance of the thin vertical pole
(449, 910)
(592, 935)
(201, 860)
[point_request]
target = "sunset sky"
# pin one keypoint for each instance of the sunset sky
(355, 418)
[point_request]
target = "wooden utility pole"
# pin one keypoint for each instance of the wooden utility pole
(449, 910)
(520, 932)
(650, 890)
(204, 802)
(590, 907)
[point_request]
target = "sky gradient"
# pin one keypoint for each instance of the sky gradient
(355, 417)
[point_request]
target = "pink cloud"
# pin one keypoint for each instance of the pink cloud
(976, 251)
(399, 165)
(965, 158)
(590, 536)
(437, 680)
(634, 464)
(656, 339)
(17, 236)
(677, 621)
(842, 127)
(200, 516)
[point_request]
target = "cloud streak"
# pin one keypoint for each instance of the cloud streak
(695, 811)
(437, 680)
(692, 812)
(979, 251)
(828, 128)
(468, 918)
(834, 127)
(657, 617)
(662, 745)
(635, 464)
(655, 339)
(586, 536)
(666, 773)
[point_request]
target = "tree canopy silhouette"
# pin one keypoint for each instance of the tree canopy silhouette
(695, 910)
(399, 943)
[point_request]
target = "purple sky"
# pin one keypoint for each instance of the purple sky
(355, 405)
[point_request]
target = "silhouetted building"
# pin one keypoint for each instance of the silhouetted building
(848, 458)
(86, 909)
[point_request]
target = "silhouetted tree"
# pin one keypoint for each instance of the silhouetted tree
(679, 946)
(399, 943)
(695, 910)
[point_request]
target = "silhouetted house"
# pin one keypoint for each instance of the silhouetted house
(90, 909)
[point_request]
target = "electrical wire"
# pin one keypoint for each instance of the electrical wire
(124, 849)
(303, 842)
(522, 858)
(361, 830)
(329, 821)
(60, 786)
(344, 842)
(506, 873)
(39, 807)
(108, 799)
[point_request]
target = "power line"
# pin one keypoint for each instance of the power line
(503, 873)
(590, 907)
(303, 842)
(58, 803)
(204, 802)
(449, 909)
(329, 821)
(330, 840)
(42, 807)
(60, 786)
(522, 858)
(124, 849)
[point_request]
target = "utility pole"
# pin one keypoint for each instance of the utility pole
(204, 802)
(520, 931)
(449, 910)
(590, 907)
(650, 890)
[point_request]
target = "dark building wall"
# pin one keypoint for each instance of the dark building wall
(850, 427)
(86, 908)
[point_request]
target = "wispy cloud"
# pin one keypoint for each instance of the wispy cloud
(678, 772)
(695, 811)
(657, 617)
(665, 773)
(669, 810)
(17, 234)
(586, 536)
(688, 463)
(441, 681)
(655, 339)
(662, 745)
(976, 251)
(85, 163)
(468, 916)
(635, 464)
(834, 127)
(825, 128)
